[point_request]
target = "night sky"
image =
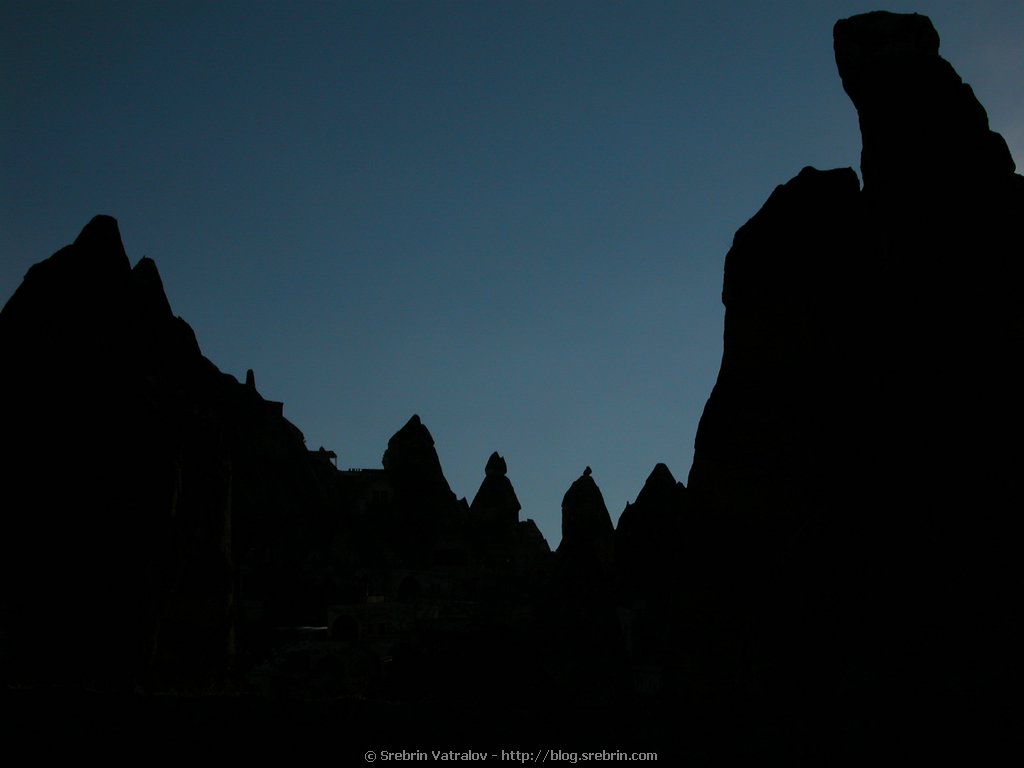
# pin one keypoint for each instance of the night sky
(508, 217)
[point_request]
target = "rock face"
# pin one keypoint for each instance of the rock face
(653, 582)
(855, 465)
(121, 550)
(425, 521)
(919, 121)
(587, 655)
(413, 463)
(586, 524)
(496, 500)
(649, 536)
(192, 524)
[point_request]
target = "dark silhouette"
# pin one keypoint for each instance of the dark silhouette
(855, 467)
(841, 571)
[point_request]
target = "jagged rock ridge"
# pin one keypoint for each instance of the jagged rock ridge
(128, 533)
(845, 554)
(194, 523)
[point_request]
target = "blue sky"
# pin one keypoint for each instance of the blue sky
(508, 217)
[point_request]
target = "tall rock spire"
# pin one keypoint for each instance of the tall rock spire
(415, 468)
(857, 459)
(496, 500)
(586, 524)
(921, 125)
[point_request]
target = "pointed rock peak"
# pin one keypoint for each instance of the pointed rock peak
(584, 492)
(250, 379)
(496, 498)
(496, 466)
(585, 518)
(411, 450)
(100, 229)
(149, 287)
(413, 427)
(660, 492)
(146, 270)
(661, 476)
(80, 280)
(528, 531)
(102, 238)
(412, 439)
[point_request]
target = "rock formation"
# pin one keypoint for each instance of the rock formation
(920, 123)
(500, 539)
(843, 565)
(425, 521)
(653, 582)
(855, 465)
(587, 655)
(496, 500)
(586, 524)
(141, 483)
(416, 470)
(649, 536)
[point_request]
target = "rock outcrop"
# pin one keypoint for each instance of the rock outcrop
(586, 524)
(920, 123)
(425, 522)
(415, 468)
(648, 537)
(496, 499)
(586, 652)
(654, 582)
(842, 566)
(501, 539)
(141, 483)
(855, 465)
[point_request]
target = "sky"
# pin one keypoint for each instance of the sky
(509, 217)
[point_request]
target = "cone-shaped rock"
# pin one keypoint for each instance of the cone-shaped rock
(586, 523)
(648, 535)
(414, 466)
(496, 499)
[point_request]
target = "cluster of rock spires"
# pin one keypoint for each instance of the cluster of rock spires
(845, 556)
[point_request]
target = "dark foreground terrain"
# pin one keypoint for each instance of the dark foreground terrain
(839, 577)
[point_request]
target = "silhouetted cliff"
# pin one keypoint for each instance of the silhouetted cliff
(855, 466)
(142, 484)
